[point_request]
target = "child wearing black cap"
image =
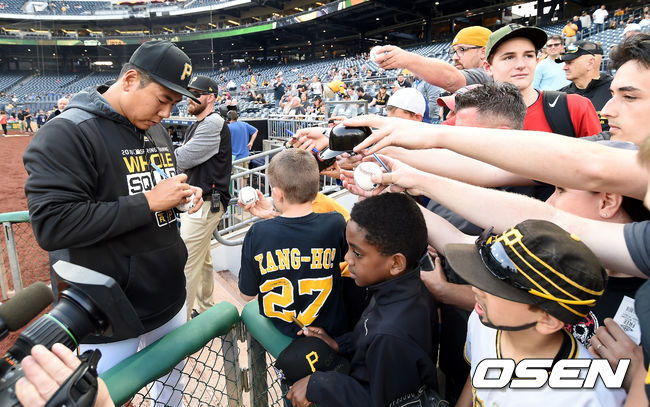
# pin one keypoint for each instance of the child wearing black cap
(392, 344)
(529, 282)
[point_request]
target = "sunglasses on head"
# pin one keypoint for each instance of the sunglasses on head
(500, 265)
(572, 49)
(494, 257)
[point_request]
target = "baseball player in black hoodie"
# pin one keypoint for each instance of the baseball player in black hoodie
(96, 200)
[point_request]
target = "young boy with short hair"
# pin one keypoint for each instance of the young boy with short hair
(392, 344)
(529, 282)
(292, 261)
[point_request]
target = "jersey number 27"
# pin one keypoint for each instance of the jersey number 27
(275, 303)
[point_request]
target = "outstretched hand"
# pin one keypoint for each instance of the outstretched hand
(310, 138)
(262, 208)
(401, 177)
(392, 57)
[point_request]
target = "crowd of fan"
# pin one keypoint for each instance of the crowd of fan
(526, 288)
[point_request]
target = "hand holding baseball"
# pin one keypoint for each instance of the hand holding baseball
(392, 57)
(169, 193)
(401, 177)
(261, 207)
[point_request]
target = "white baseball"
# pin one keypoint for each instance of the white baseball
(247, 195)
(184, 207)
(363, 175)
(373, 53)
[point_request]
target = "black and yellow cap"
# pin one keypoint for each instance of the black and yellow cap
(509, 31)
(205, 84)
(166, 64)
(544, 266)
(306, 355)
(580, 48)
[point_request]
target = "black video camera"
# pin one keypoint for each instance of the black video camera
(88, 303)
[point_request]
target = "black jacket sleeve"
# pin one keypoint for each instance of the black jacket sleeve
(346, 343)
(395, 368)
(61, 192)
(336, 389)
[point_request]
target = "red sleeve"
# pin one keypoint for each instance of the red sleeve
(584, 116)
(450, 122)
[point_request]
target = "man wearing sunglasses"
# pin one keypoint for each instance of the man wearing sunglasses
(549, 74)
(206, 158)
(467, 53)
(581, 63)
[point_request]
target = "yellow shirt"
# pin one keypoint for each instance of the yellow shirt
(336, 85)
(324, 204)
(570, 30)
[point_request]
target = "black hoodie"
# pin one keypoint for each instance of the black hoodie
(394, 345)
(597, 92)
(88, 169)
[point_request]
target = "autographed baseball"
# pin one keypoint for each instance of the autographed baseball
(373, 53)
(184, 207)
(247, 195)
(363, 175)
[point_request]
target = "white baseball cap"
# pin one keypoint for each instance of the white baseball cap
(409, 99)
(632, 27)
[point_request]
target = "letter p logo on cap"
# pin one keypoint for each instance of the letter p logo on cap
(187, 71)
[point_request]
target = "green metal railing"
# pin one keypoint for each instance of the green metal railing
(217, 359)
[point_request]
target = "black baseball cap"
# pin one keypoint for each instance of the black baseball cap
(205, 84)
(580, 48)
(535, 262)
(344, 139)
(306, 355)
(509, 31)
(167, 65)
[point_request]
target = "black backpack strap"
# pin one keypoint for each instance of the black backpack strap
(556, 110)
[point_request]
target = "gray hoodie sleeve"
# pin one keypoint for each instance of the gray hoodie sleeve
(203, 144)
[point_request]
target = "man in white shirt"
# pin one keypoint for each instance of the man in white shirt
(599, 18)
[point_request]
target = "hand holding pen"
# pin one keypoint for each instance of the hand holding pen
(169, 192)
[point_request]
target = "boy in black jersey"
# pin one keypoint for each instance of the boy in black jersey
(291, 262)
(392, 344)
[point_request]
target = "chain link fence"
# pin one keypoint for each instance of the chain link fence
(22, 259)
(216, 376)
